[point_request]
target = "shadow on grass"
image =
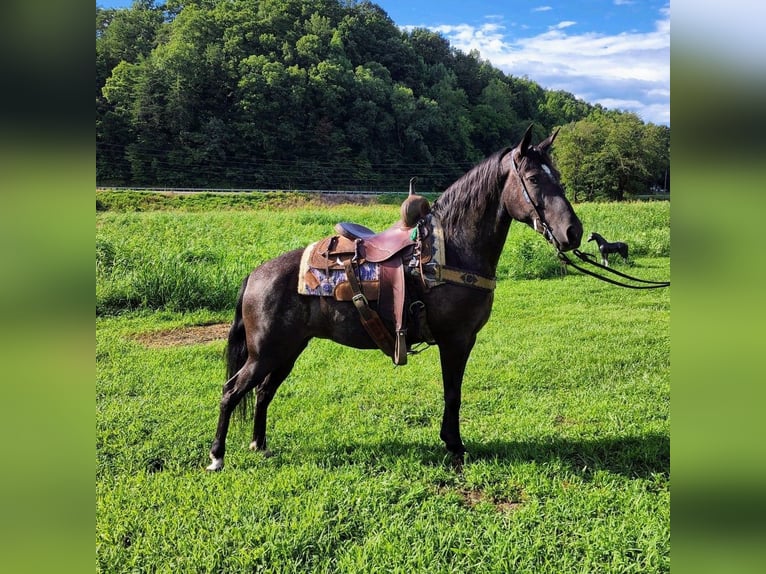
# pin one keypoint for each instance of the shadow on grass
(630, 456)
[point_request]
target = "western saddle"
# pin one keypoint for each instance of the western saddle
(392, 250)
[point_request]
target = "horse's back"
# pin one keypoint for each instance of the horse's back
(273, 308)
(276, 275)
(623, 249)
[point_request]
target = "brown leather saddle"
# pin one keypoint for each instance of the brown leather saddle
(392, 250)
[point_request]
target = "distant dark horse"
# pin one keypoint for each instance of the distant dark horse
(273, 323)
(605, 248)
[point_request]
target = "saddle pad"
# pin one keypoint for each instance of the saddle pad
(323, 282)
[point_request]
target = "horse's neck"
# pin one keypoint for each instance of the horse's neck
(477, 242)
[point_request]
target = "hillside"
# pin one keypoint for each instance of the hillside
(299, 94)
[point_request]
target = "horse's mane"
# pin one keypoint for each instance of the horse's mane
(467, 199)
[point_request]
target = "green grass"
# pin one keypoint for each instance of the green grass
(184, 260)
(129, 201)
(565, 416)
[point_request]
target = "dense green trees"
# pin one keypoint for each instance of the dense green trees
(611, 155)
(325, 94)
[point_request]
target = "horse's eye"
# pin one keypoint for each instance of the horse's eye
(533, 179)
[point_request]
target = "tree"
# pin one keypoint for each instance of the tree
(559, 107)
(656, 143)
(610, 156)
(122, 38)
(494, 118)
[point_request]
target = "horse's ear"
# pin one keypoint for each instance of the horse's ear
(548, 142)
(525, 141)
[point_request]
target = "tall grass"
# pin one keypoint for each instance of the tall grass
(644, 226)
(179, 260)
(124, 201)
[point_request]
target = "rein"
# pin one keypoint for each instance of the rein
(548, 234)
(589, 259)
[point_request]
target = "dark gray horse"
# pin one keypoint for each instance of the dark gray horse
(273, 323)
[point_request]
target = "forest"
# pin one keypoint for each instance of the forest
(331, 94)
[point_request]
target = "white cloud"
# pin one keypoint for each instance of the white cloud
(542, 9)
(629, 71)
(564, 24)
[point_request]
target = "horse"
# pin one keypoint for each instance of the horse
(605, 248)
(273, 323)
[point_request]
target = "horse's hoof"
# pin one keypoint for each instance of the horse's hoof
(216, 465)
(264, 451)
(457, 462)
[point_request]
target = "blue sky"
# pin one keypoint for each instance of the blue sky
(612, 52)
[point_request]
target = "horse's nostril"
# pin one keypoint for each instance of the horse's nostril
(574, 235)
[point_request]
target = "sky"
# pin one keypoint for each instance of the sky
(615, 53)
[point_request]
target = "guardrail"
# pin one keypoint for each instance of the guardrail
(641, 197)
(246, 190)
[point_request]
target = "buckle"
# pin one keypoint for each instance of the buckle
(360, 298)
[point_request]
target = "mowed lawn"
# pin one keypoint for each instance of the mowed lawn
(565, 415)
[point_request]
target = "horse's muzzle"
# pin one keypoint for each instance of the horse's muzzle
(573, 237)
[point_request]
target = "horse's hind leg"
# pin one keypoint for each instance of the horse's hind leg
(264, 394)
(234, 391)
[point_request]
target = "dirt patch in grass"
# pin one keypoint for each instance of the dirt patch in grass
(179, 336)
(471, 498)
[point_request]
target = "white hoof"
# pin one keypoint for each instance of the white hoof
(216, 465)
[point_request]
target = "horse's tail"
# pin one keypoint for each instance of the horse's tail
(236, 347)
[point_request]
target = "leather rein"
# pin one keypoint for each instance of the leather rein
(585, 257)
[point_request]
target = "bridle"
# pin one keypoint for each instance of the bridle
(538, 223)
(545, 230)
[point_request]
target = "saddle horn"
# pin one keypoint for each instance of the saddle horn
(415, 207)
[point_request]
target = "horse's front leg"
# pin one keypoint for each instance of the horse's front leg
(453, 356)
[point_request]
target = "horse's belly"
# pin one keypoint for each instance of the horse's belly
(339, 321)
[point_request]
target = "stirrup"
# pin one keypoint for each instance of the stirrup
(400, 349)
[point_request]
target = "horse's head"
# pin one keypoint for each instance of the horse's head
(533, 194)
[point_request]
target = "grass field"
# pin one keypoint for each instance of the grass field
(565, 414)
